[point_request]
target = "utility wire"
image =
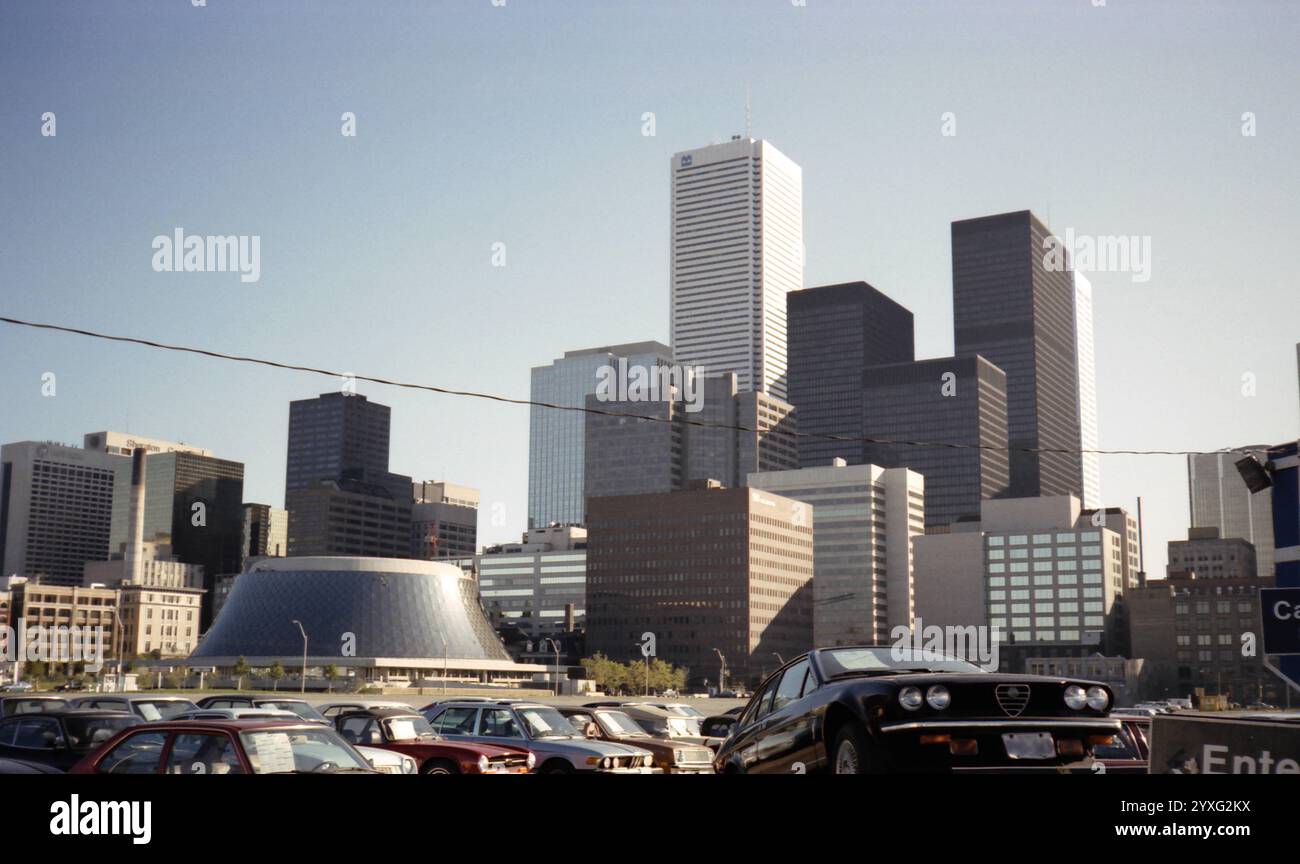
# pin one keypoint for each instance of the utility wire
(447, 391)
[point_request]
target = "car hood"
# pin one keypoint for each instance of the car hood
(587, 746)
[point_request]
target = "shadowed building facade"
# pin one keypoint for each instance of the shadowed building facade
(837, 332)
(706, 570)
(958, 401)
(1020, 315)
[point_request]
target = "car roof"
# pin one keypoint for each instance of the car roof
(250, 724)
(383, 712)
(647, 708)
(75, 712)
(131, 697)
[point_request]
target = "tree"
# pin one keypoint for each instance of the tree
(331, 672)
(276, 673)
(240, 669)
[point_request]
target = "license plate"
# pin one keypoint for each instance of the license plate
(1029, 745)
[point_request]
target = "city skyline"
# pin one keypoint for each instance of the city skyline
(321, 273)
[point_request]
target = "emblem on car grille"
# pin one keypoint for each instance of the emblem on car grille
(1012, 698)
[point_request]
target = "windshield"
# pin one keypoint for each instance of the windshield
(545, 723)
(851, 661)
(86, 733)
(684, 727)
(35, 706)
(406, 728)
(287, 751)
(302, 709)
(619, 725)
(162, 709)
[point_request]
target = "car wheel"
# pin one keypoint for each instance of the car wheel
(853, 753)
(438, 766)
(557, 766)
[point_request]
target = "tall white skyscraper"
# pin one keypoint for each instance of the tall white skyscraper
(1087, 363)
(737, 249)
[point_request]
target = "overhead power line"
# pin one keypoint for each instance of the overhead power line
(448, 391)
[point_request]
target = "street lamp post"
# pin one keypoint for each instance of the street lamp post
(556, 646)
(722, 671)
(303, 631)
(444, 663)
(117, 619)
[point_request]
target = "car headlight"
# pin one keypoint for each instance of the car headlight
(607, 762)
(532, 760)
(911, 698)
(938, 697)
(483, 764)
(1098, 699)
(408, 765)
(1075, 698)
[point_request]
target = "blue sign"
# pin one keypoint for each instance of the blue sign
(1280, 608)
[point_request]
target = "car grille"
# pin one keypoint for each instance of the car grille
(1012, 698)
(509, 762)
(389, 769)
(697, 756)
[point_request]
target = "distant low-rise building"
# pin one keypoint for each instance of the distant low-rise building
(538, 585)
(1193, 633)
(864, 518)
(444, 520)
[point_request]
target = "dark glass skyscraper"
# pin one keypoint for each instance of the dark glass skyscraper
(336, 435)
(341, 498)
(836, 332)
(1010, 308)
(948, 400)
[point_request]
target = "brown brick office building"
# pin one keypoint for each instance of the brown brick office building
(707, 569)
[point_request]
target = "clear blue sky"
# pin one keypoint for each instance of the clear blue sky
(522, 124)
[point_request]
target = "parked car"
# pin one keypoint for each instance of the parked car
(300, 707)
(18, 766)
(59, 739)
(330, 710)
(1134, 712)
(33, 704)
(226, 747)
(72, 685)
(1158, 707)
(557, 746)
(147, 708)
(406, 731)
(613, 724)
(18, 687)
(869, 710)
(383, 761)
(1130, 752)
(664, 723)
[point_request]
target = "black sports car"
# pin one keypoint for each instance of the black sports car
(876, 709)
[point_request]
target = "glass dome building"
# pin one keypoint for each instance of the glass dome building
(389, 616)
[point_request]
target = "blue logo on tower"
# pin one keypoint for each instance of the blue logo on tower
(686, 160)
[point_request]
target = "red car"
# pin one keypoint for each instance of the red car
(253, 746)
(406, 731)
(1130, 751)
